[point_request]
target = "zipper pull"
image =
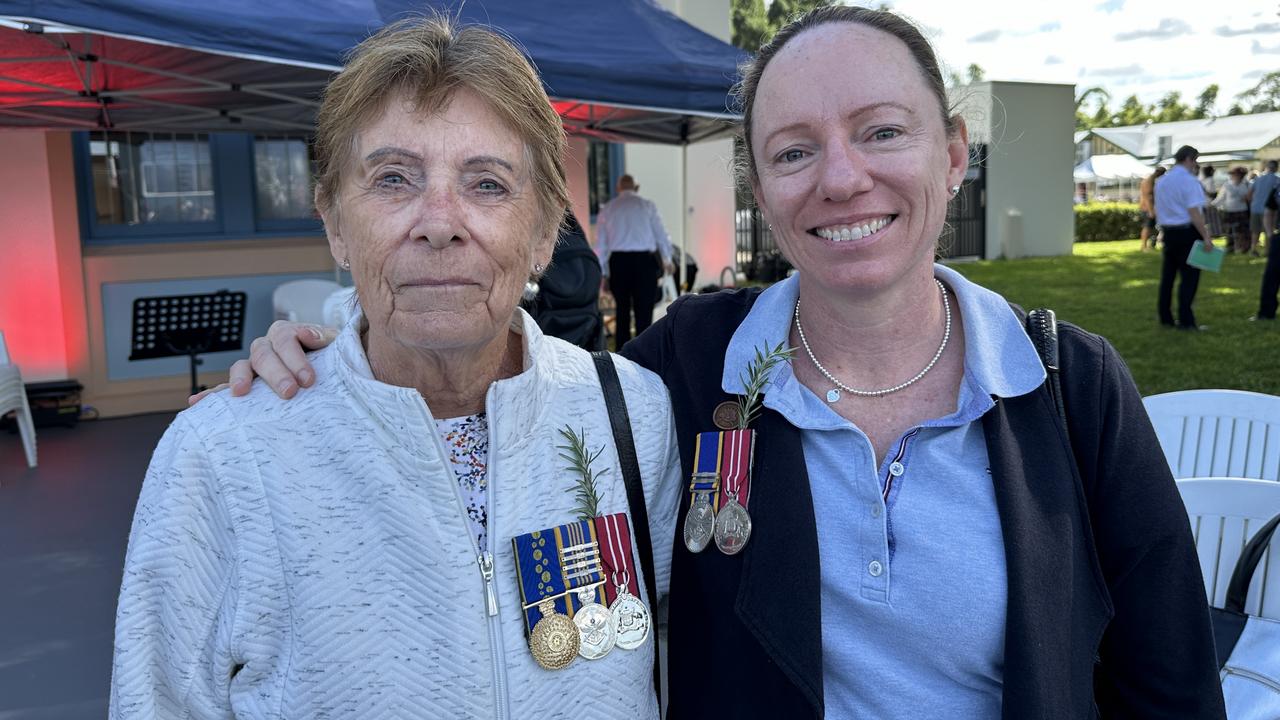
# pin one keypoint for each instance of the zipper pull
(486, 570)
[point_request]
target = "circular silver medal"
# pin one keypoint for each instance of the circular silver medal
(699, 523)
(630, 620)
(595, 630)
(733, 527)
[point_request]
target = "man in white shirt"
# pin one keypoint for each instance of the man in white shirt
(1179, 202)
(630, 238)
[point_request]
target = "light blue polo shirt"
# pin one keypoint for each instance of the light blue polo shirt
(914, 588)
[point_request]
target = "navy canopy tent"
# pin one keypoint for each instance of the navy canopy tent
(622, 69)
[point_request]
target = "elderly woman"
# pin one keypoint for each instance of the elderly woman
(927, 541)
(350, 554)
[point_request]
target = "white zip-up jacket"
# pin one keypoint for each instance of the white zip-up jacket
(312, 558)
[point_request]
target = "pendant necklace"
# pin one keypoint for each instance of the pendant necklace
(833, 395)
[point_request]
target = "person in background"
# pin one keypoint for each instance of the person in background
(635, 251)
(1233, 201)
(1211, 182)
(1262, 205)
(1147, 206)
(1180, 214)
(912, 480)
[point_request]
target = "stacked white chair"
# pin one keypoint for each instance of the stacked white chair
(1225, 513)
(303, 300)
(13, 397)
(1218, 433)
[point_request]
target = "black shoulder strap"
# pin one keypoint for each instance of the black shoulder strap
(1252, 554)
(1042, 327)
(616, 402)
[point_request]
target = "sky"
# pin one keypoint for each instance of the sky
(1147, 47)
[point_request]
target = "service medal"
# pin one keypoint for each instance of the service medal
(631, 620)
(554, 641)
(595, 627)
(733, 526)
(725, 416)
(699, 523)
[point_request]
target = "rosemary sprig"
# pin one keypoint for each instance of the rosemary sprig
(756, 376)
(580, 459)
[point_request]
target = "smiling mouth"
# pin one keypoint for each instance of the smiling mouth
(841, 233)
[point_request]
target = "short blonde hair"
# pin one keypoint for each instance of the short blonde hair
(429, 59)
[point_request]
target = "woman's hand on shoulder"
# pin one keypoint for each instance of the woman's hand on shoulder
(279, 358)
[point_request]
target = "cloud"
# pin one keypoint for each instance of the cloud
(1259, 29)
(1050, 26)
(1168, 28)
(1252, 74)
(1053, 60)
(1258, 49)
(985, 37)
(1110, 6)
(1119, 72)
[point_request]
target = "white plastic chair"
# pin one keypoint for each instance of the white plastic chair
(1225, 513)
(340, 306)
(13, 396)
(1218, 433)
(303, 300)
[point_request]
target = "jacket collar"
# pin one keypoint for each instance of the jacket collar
(523, 398)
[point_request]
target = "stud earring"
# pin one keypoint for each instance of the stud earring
(538, 268)
(346, 264)
(955, 190)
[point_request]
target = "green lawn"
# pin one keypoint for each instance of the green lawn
(1110, 288)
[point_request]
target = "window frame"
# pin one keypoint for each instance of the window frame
(234, 201)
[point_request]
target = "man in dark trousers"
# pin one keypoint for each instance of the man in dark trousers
(634, 252)
(1179, 203)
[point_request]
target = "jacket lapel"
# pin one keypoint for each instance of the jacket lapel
(779, 598)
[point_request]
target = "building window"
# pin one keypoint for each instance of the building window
(151, 178)
(181, 187)
(283, 169)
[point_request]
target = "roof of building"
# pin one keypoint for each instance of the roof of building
(1235, 136)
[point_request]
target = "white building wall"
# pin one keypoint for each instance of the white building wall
(1029, 161)
(696, 204)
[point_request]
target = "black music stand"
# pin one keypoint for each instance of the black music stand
(173, 325)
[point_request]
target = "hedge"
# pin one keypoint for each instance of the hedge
(1107, 221)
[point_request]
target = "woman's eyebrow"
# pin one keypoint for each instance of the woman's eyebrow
(484, 160)
(384, 152)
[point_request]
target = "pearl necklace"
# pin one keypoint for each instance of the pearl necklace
(833, 395)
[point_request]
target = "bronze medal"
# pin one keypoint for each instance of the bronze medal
(725, 415)
(555, 639)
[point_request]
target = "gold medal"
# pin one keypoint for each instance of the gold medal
(554, 641)
(725, 415)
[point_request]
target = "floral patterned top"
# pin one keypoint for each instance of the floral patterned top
(466, 439)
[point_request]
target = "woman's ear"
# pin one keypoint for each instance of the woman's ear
(957, 151)
(329, 215)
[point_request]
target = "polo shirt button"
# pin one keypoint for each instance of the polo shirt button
(875, 568)
(896, 469)
(876, 511)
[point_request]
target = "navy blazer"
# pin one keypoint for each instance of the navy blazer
(1106, 607)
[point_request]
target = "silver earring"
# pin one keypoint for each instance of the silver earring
(346, 264)
(955, 190)
(537, 268)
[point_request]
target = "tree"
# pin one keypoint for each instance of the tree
(1263, 97)
(976, 73)
(1084, 121)
(750, 24)
(1205, 102)
(1170, 108)
(753, 25)
(1132, 112)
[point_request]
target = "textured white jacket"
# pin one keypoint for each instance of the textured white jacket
(321, 544)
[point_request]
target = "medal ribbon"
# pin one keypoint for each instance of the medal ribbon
(615, 555)
(706, 467)
(737, 448)
(547, 571)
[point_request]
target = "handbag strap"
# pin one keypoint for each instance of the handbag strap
(620, 421)
(1252, 554)
(1042, 328)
